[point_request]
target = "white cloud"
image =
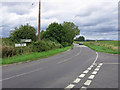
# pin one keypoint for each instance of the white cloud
(96, 18)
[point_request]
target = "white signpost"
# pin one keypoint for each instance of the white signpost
(26, 40)
(22, 44)
(19, 45)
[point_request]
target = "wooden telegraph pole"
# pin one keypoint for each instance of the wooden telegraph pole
(39, 22)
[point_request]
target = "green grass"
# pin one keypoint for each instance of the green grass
(104, 46)
(102, 49)
(113, 43)
(33, 56)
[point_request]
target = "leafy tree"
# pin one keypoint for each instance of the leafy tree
(64, 34)
(71, 31)
(80, 38)
(55, 31)
(23, 32)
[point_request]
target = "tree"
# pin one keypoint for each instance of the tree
(64, 34)
(71, 31)
(23, 32)
(80, 38)
(55, 31)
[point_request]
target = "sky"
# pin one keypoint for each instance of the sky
(96, 19)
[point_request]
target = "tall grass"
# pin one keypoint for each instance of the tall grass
(104, 46)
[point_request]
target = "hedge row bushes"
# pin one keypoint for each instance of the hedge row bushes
(43, 45)
(8, 51)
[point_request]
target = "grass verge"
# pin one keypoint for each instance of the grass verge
(102, 48)
(33, 56)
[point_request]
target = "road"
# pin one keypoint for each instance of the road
(79, 68)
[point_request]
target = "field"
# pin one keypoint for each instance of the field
(104, 46)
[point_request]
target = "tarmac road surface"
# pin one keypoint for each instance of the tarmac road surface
(79, 68)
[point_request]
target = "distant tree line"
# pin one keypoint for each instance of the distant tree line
(80, 38)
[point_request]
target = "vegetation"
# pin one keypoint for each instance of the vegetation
(45, 45)
(80, 38)
(104, 46)
(33, 56)
(71, 30)
(64, 34)
(0, 49)
(57, 38)
(23, 32)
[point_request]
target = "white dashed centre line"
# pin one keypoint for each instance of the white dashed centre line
(77, 80)
(22, 74)
(70, 86)
(88, 82)
(91, 76)
(94, 72)
(89, 68)
(86, 71)
(100, 64)
(97, 69)
(82, 75)
(83, 87)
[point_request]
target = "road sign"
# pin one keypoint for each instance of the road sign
(26, 40)
(19, 45)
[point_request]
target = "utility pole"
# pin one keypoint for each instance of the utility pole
(39, 22)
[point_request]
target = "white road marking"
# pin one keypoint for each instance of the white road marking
(69, 58)
(70, 86)
(95, 59)
(21, 74)
(97, 69)
(100, 64)
(83, 87)
(77, 80)
(91, 76)
(78, 53)
(89, 68)
(93, 64)
(111, 63)
(94, 72)
(82, 75)
(86, 71)
(88, 82)
(64, 60)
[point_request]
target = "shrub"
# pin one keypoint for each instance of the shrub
(8, 51)
(45, 45)
(64, 44)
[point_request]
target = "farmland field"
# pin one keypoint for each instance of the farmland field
(104, 46)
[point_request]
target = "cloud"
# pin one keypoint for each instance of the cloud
(96, 19)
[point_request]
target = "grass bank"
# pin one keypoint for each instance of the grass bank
(104, 46)
(33, 56)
